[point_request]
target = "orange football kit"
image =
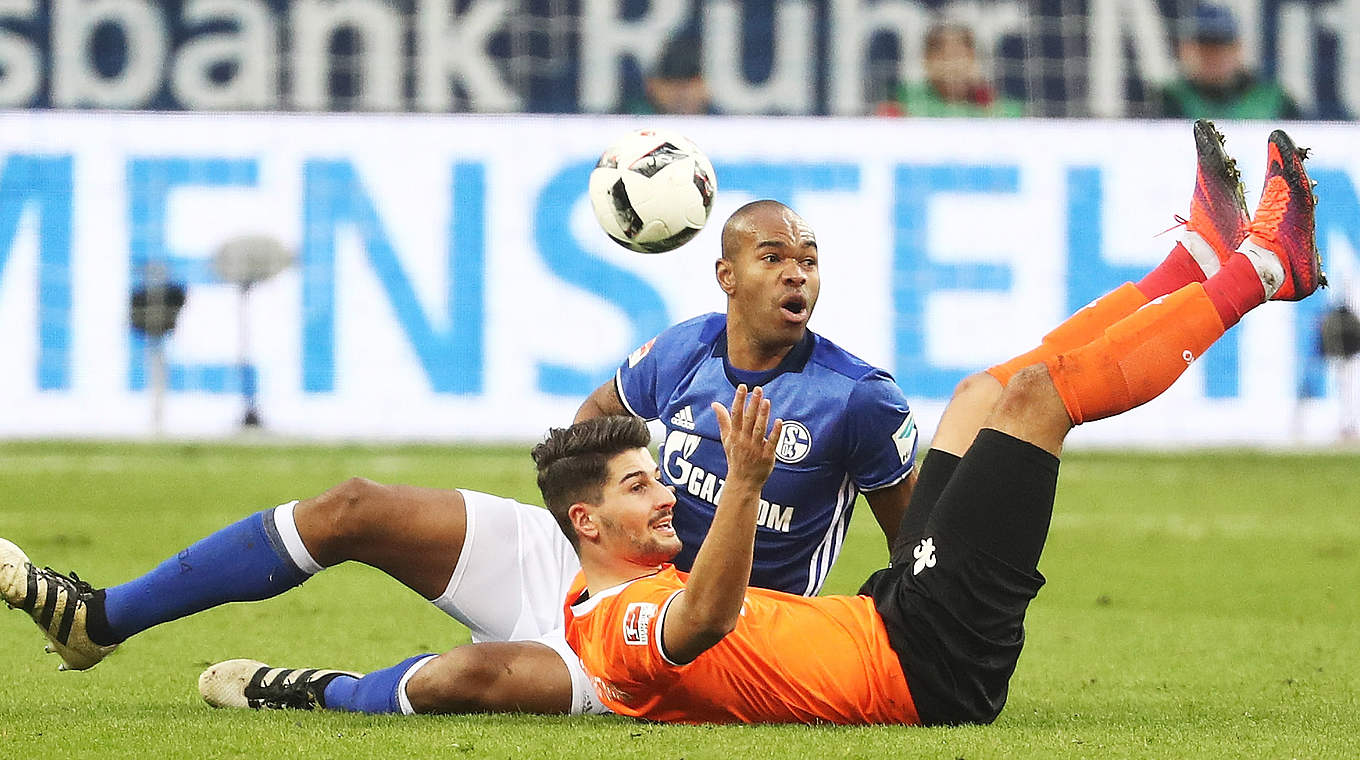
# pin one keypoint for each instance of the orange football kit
(791, 659)
(949, 612)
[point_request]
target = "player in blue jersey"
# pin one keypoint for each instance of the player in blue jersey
(846, 429)
(847, 425)
(503, 568)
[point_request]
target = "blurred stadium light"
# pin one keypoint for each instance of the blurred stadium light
(245, 262)
(154, 310)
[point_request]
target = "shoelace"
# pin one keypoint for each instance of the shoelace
(1180, 222)
(1270, 215)
(72, 581)
(1274, 204)
(278, 694)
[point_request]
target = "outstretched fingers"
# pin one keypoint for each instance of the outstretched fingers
(750, 451)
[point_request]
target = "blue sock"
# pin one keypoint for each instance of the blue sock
(374, 693)
(243, 562)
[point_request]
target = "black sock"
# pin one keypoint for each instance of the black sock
(97, 622)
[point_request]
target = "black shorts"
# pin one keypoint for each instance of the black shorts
(954, 601)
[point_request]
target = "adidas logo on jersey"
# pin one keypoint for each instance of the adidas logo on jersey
(683, 418)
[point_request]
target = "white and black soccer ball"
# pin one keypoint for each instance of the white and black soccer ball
(652, 190)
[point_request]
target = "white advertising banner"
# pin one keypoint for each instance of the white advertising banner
(450, 282)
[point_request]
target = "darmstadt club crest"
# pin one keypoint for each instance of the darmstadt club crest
(794, 442)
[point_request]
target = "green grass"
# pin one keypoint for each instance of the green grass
(1199, 605)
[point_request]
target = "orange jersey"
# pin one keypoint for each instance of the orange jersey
(791, 659)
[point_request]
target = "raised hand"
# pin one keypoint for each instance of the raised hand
(750, 452)
(711, 603)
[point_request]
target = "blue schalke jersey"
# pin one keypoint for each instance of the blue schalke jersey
(847, 428)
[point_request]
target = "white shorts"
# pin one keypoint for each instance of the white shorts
(512, 580)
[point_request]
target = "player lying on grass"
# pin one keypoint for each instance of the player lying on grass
(933, 639)
(936, 637)
(503, 568)
(1217, 225)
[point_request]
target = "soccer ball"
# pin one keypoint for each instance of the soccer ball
(652, 190)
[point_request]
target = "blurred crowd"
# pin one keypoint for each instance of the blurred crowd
(1214, 79)
(934, 58)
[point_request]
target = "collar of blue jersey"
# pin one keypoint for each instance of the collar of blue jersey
(794, 361)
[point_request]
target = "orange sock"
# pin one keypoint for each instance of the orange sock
(1138, 357)
(1079, 329)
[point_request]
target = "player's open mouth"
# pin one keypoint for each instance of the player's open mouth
(663, 525)
(794, 308)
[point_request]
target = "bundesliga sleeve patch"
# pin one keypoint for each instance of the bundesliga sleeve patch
(905, 438)
(637, 623)
(639, 354)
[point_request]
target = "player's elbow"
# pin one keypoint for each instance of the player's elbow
(602, 402)
(588, 410)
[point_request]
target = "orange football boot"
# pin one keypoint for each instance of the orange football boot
(1218, 209)
(1284, 221)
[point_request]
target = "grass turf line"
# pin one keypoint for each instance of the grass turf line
(1198, 605)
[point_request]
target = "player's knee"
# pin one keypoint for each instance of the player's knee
(453, 683)
(345, 512)
(980, 387)
(1030, 392)
(1031, 409)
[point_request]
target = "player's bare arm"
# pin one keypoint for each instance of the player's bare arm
(709, 607)
(890, 504)
(604, 401)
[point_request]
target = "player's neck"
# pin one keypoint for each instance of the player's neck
(746, 352)
(756, 361)
(604, 572)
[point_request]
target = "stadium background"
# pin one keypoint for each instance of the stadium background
(450, 283)
(451, 286)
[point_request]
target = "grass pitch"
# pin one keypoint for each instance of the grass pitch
(1199, 605)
